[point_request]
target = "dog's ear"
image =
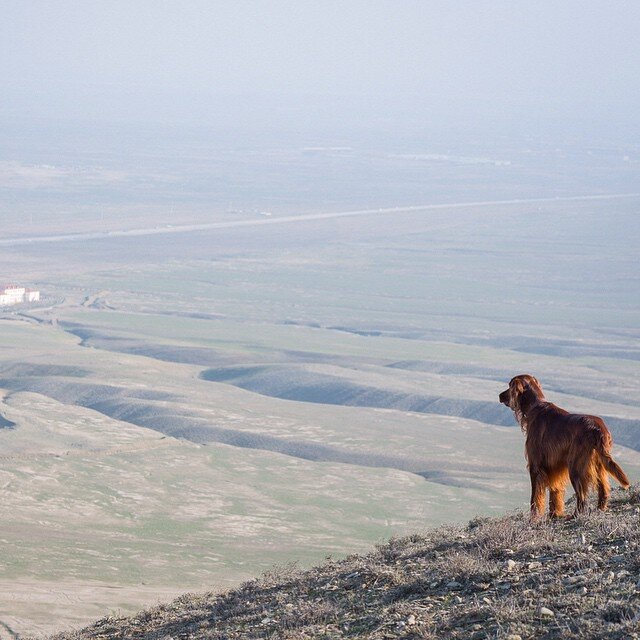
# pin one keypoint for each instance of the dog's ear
(527, 398)
(537, 387)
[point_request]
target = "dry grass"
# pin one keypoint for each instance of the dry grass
(491, 579)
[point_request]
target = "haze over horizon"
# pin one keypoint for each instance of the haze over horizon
(321, 69)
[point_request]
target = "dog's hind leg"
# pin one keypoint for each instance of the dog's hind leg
(603, 487)
(579, 476)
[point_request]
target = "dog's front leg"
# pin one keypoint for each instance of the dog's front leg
(556, 503)
(538, 487)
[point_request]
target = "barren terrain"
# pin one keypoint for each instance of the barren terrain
(188, 407)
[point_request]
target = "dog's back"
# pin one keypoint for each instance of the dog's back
(555, 435)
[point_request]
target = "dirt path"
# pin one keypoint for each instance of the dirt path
(82, 453)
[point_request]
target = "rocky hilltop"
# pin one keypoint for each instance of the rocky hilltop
(494, 578)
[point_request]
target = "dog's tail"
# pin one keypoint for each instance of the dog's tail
(615, 470)
(603, 446)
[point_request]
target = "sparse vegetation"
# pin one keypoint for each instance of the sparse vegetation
(494, 578)
(123, 466)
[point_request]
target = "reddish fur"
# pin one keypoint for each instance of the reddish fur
(561, 446)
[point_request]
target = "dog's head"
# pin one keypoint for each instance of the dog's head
(523, 391)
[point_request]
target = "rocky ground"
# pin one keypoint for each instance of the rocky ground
(494, 578)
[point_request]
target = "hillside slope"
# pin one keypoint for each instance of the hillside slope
(494, 578)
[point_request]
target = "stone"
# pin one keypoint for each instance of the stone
(544, 611)
(511, 565)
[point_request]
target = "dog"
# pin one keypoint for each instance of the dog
(561, 446)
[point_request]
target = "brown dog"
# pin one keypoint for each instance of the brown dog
(561, 446)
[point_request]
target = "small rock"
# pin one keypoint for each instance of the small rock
(508, 552)
(505, 586)
(514, 636)
(583, 539)
(486, 600)
(582, 591)
(623, 573)
(453, 584)
(608, 577)
(546, 612)
(411, 620)
(511, 565)
(534, 565)
(458, 599)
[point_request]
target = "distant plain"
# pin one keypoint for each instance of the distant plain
(188, 408)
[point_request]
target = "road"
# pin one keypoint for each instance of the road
(254, 222)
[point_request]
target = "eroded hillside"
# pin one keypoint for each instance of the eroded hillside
(494, 578)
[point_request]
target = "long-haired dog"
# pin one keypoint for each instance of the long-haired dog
(561, 446)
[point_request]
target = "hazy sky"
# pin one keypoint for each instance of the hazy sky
(444, 62)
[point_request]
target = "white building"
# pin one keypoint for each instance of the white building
(15, 295)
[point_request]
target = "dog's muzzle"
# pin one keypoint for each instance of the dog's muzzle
(504, 397)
